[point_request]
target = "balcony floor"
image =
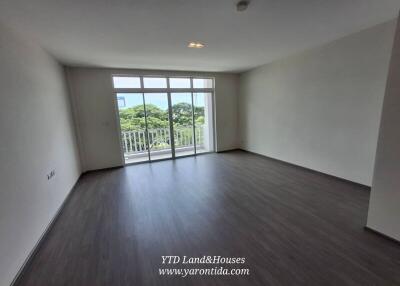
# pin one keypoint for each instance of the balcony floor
(159, 155)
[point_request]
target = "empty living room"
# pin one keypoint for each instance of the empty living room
(199, 142)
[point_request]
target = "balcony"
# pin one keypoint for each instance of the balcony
(135, 143)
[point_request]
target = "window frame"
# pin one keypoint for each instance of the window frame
(169, 91)
(161, 90)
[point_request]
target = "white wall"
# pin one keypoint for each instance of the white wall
(384, 204)
(93, 99)
(37, 136)
(320, 109)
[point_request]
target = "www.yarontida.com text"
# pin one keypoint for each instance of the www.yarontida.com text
(210, 271)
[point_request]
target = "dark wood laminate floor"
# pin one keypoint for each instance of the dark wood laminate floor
(293, 226)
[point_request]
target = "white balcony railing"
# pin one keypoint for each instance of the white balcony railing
(160, 139)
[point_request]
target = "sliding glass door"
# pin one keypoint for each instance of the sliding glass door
(202, 106)
(182, 119)
(162, 117)
(157, 117)
(133, 127)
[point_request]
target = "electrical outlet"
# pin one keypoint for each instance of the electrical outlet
(51, 174)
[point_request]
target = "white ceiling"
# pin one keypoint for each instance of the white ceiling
(153, 34)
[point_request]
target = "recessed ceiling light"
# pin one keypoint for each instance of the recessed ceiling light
(196, 45)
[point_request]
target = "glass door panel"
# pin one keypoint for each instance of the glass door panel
(203, 119)
(182, 120)
(158, 126)
(133, 127)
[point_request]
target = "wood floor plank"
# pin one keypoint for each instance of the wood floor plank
(294, 226)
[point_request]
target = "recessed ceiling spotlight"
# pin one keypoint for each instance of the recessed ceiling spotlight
(196, 45)
(242, 5)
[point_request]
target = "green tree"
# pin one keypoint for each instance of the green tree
(182, 114)
(133, 118)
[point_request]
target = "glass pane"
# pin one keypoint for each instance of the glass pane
(202, 83)
(133, 128)
(155, 82)
(179, 83)
(203, 122)
(158, 125)
(126, 82)
(183, 123)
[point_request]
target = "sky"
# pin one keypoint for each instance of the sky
(160, 82)
(126, 100)
(159, 99)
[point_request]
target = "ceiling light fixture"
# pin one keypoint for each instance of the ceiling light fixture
(195, 45)
(242, 5)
